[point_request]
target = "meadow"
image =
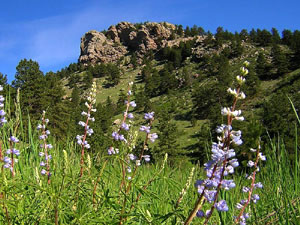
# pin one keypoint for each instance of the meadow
(124, 186)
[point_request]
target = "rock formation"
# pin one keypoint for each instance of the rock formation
(125, 37)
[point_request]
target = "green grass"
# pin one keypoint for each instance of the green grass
(28, 199)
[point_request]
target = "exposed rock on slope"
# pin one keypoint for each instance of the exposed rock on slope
(98, 47)
(95, 47)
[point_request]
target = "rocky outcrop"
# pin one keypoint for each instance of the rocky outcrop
(126, 37)
(96, 47)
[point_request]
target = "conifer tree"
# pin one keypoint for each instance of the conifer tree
(262, 68)
(168, 135)
(279, 60)
(29, 78)
(275, 36)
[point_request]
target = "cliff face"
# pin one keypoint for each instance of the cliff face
(97, 47)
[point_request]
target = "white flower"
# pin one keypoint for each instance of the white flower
(262, 157)
(240, 79)
(250, 163)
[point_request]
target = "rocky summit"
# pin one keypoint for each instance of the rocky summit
(123, 38)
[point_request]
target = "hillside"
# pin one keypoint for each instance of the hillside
(180, 74)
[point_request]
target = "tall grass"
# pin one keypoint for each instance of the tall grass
(28, 199)
(160, 194)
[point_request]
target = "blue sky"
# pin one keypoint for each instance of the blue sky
(49, 31)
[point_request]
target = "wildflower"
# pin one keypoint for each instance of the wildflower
(132, 157)
(130, 116)
(81, 139)
(222, 161)
(125, 126)
(258, 185)
(250, 163)
(221, 206)
(262, 157)
(149, 116)
(153, 137)
(145, 129)
(132, 104)
(255, 198)
(245, 189)
(43, 172)
(14, 139)
(240, 80)
(2, 112)
(138, 162)
(146, 158)
(12, 153)
(200, 213)
(47, 157)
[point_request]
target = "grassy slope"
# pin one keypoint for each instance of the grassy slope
(187, 133)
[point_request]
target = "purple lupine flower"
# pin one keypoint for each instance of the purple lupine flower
(245, 189)
(122, 138)
(43, 171)
(146, 158)
(7, 160)
(81, 123)
(258, 185)
(210, 195)
(145, 129)
(130, 116)
(255, 198)
(14, 139)
(16, 152)
(42, 137)
(221, 206)
(42, 164)
(149, 116)
(200, 214)
(48, 157)
(228, 184)
(90, 131)
(115, 135)
(132, 104)
(153, 137)
(2, 112)
(234, 163)
(125, 126)
(132, 157)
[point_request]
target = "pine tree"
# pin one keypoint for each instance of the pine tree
(187, 31)
(113, 74)
(262, 68)
(58, 109)
(32, 85)
(194, 31)
(275, 36)
(287, 37)
(279, 61)
(168, 135)
(179, 30)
